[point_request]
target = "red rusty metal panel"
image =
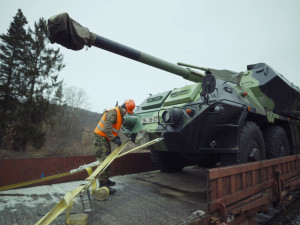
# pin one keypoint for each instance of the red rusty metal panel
(248, 179)
(20, 170)
(293, 184)
(289, 175)
(219, 188)
(240, 195)
(240, 182)
(243, 181)
(229, 170)
(232, 181)
(253, 178)
(226, 186)
(212, 190)
(132, 163)
(266, 173)
(258, 179)
(262, 200)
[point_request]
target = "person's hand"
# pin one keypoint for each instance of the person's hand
(117, 140)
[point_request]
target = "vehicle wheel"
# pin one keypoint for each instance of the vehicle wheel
(168, 162)
(251, 146)
(276, 141)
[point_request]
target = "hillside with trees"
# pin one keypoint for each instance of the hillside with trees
(38, 116)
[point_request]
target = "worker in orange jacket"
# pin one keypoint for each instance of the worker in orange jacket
(107, 130)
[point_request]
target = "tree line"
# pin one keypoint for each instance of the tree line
(31, 94)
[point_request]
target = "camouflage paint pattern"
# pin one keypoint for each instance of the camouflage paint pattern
(102, 149)
(194, 123)
(250, 96)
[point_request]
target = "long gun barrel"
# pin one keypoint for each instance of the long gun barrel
(65, 31)
(207, 70)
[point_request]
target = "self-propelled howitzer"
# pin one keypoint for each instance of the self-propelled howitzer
(225, 116)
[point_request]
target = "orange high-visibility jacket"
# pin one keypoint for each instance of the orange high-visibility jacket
(115, 127)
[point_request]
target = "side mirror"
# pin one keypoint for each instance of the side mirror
(208, 85)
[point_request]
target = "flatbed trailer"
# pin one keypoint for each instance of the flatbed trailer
(229, 195)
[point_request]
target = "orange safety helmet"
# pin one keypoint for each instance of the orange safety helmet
(130, 105)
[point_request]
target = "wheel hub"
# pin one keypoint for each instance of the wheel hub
(253, 154)
(282, 148)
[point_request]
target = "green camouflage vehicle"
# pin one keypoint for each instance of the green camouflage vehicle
(225, 116)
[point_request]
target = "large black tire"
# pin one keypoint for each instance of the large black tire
(169, 162)
(277, 144)
(251, 146)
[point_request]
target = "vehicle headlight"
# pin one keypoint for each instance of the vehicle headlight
(172, 116)
(166, 117)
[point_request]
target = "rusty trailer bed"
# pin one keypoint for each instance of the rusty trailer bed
(231, 195)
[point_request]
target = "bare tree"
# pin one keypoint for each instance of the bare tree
(76, 98)
(72, 115)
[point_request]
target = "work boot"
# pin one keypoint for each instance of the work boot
(107, 183)
(111, 190)
(111, 183)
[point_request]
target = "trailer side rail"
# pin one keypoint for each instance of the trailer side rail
(238, 192)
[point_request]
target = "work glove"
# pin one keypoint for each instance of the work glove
(117, 140)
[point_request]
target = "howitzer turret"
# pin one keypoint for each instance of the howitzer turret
(225, 116)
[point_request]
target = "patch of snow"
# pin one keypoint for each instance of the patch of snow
(43, 195)
(34, 196)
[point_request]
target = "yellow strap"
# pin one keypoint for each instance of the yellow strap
(89, 170)
(141, 146)
(62, 205)
(58, 209)
(26, 183)
(94, 184)
(12, 186)
(68, 198)
(103, 165)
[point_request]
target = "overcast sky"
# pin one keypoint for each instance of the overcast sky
(210, 33)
